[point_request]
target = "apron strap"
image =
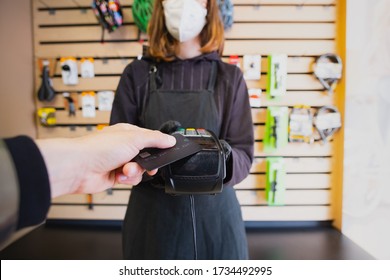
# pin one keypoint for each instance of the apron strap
(213, 76)
(153, 72)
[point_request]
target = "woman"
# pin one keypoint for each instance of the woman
(183, 79)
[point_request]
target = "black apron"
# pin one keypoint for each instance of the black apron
(159, 225)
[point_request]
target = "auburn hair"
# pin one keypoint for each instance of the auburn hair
(163, 46)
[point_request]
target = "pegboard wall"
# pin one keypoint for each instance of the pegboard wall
(302, 29)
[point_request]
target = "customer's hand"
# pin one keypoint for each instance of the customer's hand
(96, 162)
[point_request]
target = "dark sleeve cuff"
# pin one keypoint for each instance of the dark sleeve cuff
(34, 185)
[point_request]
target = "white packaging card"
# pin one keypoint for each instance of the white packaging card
(69, 72)
(88, 105)
(255, 97)
(105, 99)
(252, 67)
(329, 120)
(87, 69)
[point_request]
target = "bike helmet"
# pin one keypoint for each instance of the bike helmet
(226, 12)
(142, 11)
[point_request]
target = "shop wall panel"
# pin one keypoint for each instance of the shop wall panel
(281, 30)
(302, 29)
(239, 31)
(292, 197)
(249, 213)
(82, 212)
(297, 165)
(88, 84)
(45, 18)
(86, 3)
(123, 49)
(85, 33)
(288, 13)
(245, 197)
(287, 213)
(316, 149)
(299, 3)
(102, 117)
(118, 49)
(293, 181)
(72, 3)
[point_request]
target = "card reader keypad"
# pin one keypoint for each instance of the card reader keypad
(193, 132)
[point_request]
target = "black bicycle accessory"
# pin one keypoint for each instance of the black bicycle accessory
(46, 91)
(275, 129)
(71, 104)
(274, 185)
(328, 70)
(200, 173)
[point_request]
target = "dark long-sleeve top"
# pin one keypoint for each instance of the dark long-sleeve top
(24, 185)
(231, 98)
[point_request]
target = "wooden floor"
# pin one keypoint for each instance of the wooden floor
(265, 243)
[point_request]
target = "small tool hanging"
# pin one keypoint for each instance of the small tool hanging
(274, 185)
(328, 70)
(276, 128)
(275, 181)
(70, 103)
(90, 201)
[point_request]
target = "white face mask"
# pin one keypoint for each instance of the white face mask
(184, 19)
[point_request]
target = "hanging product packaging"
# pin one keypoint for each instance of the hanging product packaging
(301, 124)
(328, 70)
(142, 11)
(276, 129)
(277, 75)
(87, 68)
(255, 97)
(88, 104)
(105, 99)
(275, 188)
(109, 13)
(235, 60)
(252, 67)
(327, 121)
(69, 71)
(47, 116)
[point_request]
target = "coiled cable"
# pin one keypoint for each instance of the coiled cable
(327, 133)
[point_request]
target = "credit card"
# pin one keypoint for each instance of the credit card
(152, 158)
